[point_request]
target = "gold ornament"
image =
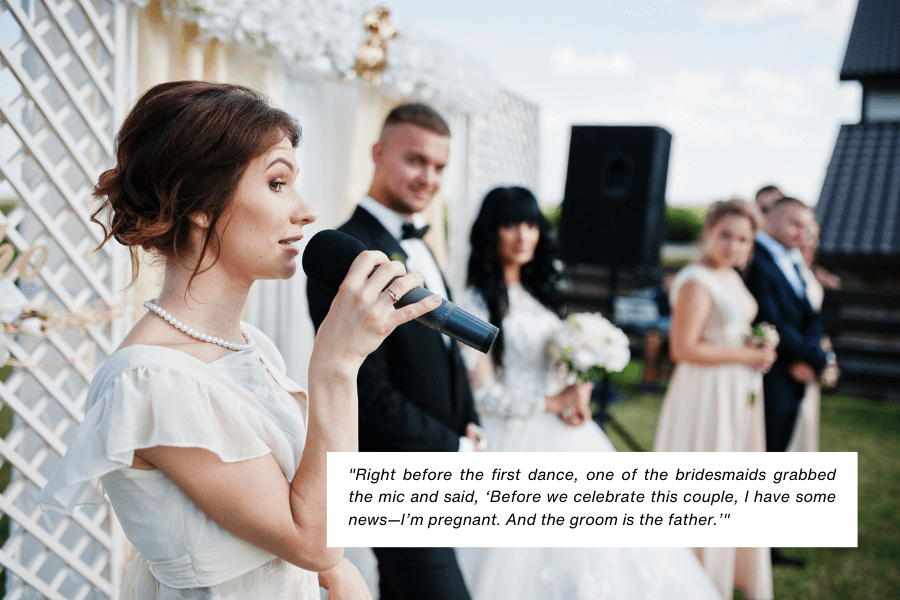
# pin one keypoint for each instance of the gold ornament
(371, 58)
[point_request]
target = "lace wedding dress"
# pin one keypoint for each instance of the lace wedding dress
(708, 408)
(511, 406)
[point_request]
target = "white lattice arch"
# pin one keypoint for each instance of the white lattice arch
(61, 94)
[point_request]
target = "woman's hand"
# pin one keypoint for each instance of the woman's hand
(572, 404)
(760, 358)
(362, 313)
(344, 582)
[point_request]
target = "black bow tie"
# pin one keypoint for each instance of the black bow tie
(410, 231)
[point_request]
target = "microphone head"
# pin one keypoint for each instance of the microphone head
(328, 257)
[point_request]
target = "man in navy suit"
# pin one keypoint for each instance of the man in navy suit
(775, 282)
(414, 394)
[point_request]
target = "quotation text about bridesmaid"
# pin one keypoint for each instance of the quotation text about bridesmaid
(592, 499)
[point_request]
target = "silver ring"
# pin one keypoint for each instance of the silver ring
(393, 296)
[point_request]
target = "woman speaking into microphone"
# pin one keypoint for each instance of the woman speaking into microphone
(213, 459)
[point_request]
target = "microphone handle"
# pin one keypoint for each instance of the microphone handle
(452, 320)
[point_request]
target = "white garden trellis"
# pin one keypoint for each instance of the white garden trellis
(61, 94)
(67, 71)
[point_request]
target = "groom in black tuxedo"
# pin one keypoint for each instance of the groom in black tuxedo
(414, 394)
(775, 282)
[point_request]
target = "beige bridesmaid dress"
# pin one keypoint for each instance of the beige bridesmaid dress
(719, 408)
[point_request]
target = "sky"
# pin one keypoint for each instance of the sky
(748, 89)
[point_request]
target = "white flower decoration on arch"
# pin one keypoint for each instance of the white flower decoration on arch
(324, 35)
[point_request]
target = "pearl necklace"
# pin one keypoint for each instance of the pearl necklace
(152, 307)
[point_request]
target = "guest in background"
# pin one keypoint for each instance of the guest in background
(714, 402)
(825, 278)
(213, 459)
(767, 196)
(776, 283)
(414, 394)
(805, 437)
(527, 407)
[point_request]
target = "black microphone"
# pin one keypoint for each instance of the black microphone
(328, 257)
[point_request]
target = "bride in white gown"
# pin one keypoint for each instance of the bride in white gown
(524, 407)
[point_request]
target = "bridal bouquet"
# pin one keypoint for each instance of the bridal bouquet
(589, 345)
(762, 335)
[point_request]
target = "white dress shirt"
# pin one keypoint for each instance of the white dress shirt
(418, 260)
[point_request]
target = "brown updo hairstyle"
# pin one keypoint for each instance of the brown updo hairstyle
(182, 151)
(735, 206)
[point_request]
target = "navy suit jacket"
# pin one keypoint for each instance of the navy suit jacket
(799, 325)
(414, 393)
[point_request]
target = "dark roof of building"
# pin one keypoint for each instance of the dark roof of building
(860, 199)
(873, 51)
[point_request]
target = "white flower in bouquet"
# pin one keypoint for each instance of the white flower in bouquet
(589, 345)
(12, 301)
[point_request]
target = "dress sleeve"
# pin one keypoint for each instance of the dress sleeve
(691, 273)
(510, 392)
(155, 405)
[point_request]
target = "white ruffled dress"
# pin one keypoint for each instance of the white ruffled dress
(240, 407)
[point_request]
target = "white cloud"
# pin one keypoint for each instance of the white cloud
(755, 10)
(566, 59)
(823, 78)
(692, 87)
(731, 132)
(761, 81)
(833, 16)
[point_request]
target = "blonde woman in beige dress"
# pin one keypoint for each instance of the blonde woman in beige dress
(708, 406)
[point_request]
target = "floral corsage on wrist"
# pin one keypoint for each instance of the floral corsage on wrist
(831, 373)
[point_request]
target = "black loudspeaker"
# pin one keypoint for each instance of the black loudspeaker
(613, 212)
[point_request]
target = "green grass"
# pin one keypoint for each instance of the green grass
(848, 424)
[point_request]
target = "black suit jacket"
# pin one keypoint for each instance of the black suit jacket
(799, 325)
(414, 394)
